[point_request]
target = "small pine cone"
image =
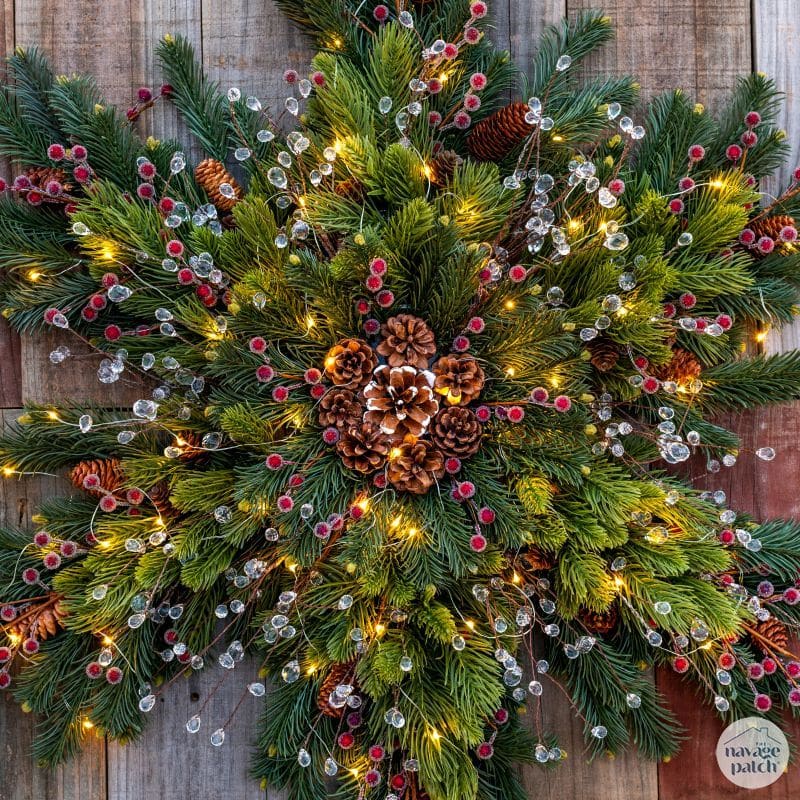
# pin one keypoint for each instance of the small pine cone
(351, 189)
(350, 363)
(159, 496)
(41, 176)
(493, 138)
(443, 167)
(459, 378)
(407, 340)
(771, 226)
(604, 354)
(340, 409)
(108, 470)
(211, 174)
(536, 560)
(363, 448)
(43, 619)
(456, 432)
(192, 446)
(772, 633)
(682, 368)
(417, 466)
(599, 622)
(341, 673)
(400, 400)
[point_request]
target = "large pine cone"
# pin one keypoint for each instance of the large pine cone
(108, 470)
(400, 400)
(772, 634)
(363, 448)
(341, 673)
(456, 432)
(417, 466)
(407, 340)
(459, 378)
(493, 138)
(211, 174)
(42, 619)
(350, 363)
(340, 409)
(682, 368)
(771, 226)
(443, 167)
(599, 622)
(604, 354)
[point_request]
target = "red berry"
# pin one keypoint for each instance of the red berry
(265, 373)
(381, 13)
(725, 321)
(166, 205)
(762, 702)
(650, 385)
(285, 503)
(8, 613)
(312, 375)
(484, 750)
(52, 561)
(54, 188)
(472, 35)
(476, 325)
(81, 174)
(483, 413)
(5, 679)
(478, 9)
(290, 76)
(765, 245)
(296, 480)
(397, 782)
(686, 184)
(41, 538)
(701, 323)
(477, 542)
(94, 670)
(79, 152)
(733, 152)
(372, 777)
(108, 503)
(697, 152)
(501, 716)
(258, 344)
(793, 669)
(68, 549)
(435, 86)
(749, 138)
(175, 248)
(5, 654)
(3, 185)
(35, 198)
(362, 306)
(378, 266)
(144, 94)
(477, 81)
(616, 186)
(317, 78)
(472, 102)
(462, 120)
(171, 636)
(275, 461)
(515, 414)
(113, 675)
(30, 646)
(676, 205)
(540, 395)
(356, 512)
(687, 300)
(788, 233)
(374, 283)
(640, 362)
(770, 666)
(450, 51)
(461, 344)
(452, 465)
(98, 302)
(562, 403)
(791, 596)
(466, 489)
(379, 481)
(727, 536)
(317, 390)
(680, 664)
(486, 515)
(185, 276)
(280, 394)
(517, 273)
(147, 170)
(384, 298)
(56, 152)
(30, 576)
(727, 661)
(755, 671)
(346, 740)
(89, 314)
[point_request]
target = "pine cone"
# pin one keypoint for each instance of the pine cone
(400, 400)
(682, 368)
(407, 340)
(350, 188)
(771, 632)
(459, 378)
(771, 226)
(108, 470)
(211, 174)
(493, 138)
(363, 448)
(604, 353)
(599, 622)
(443, 167)
(536, 560)
(456, 432)
(339, 408)
(41, 620)
(159, 496)
(417, 466)
(192, 446)
(350, 363)
(341, 673)
(41, 176)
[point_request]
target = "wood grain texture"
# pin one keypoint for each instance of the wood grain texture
(776, 51)
(697, 45)
(84, 777)
(169, 762)
(626, 777)
(114, 42)
(518, 26)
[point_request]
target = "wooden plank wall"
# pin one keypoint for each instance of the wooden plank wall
(699, 45)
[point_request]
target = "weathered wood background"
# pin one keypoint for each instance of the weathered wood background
(699, 45)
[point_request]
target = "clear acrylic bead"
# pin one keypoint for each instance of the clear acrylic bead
(218, 737)
(193, 724)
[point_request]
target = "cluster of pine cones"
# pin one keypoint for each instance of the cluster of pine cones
(407, 414)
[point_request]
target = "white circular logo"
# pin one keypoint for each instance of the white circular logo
(752, 752)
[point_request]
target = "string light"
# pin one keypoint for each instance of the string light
(8, 471)
(394, 453)
(510, 371)
(470, 624)
(34, 275)
(510, 304)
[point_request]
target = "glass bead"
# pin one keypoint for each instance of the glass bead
(291, 671)
(563, 63)
(765, 453)
(147, 702)
(633, 700)
(218, 737)
(193, 724)
(535, 688)
(303, 757)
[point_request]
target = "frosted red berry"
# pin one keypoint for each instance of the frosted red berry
(93, 670)
(540, 395)
(516, 414)
(52, 561)
(752, 118)
(650, 385)
(616, 186)
(733, 152)
(517, 273)
(472, 35)
(114, 675)
(318, 78)
(697, 152)
(477, 542)
(346, 740)
(290, 76)
(687, 300)
(765, 245)
(727, 536)
(185, 276)
(476, 325)
(686, 184)
(466, 489)
(30, 576)
(452, 465)
(31, 645)
(462, 120)
(81, 174)
(434, 118)
(108, 503)
(486, 515)
(749, 139)
(477, 81)
(265, 373)
(755, 671)
(275, 461)
(472, 102)
(762, 702)
(285, 503)
(676, 205)
(68, 549)
(371, 326)
(484, 750)
(79, 152)
(280, 394)
(378, 266)
(562, 403)
(56, 152)
(41, 538)
(725, 321)
(374, 283)
(450, 51)
(727, 661)
(5, 679)
(384, 298)
(258, 344)
(175, 248)
(461, 344)
(5, 654)
(381, 13)
(478, 9)
(680, 664)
